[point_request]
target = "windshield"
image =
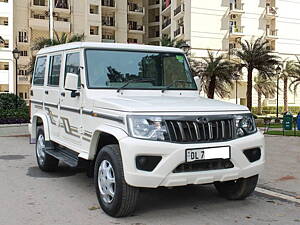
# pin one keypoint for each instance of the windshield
(141, 70)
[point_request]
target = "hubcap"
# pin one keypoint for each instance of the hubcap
(40, 149)
(106, 181)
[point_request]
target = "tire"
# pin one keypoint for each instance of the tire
(237, 189)
(45, 161)
(115, 196)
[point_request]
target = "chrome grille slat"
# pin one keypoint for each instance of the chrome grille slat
(191, 131)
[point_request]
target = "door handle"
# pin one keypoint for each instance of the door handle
(63, 94)
(46, 92)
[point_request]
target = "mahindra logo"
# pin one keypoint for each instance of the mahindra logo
(202, 120)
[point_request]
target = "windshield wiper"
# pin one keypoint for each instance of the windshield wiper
(133, 81)
(174, 82)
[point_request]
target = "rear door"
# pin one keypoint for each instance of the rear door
(52, 93)
(71, 107)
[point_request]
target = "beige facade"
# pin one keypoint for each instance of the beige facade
(216, 25)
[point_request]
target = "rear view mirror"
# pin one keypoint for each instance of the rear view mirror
(198, 83)
(71, 84)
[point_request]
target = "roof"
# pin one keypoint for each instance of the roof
(110, 46)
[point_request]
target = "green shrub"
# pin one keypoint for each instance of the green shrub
(272, 109)
(9, 113)
(8, 101)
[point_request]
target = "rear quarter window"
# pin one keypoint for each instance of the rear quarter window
(39, 71)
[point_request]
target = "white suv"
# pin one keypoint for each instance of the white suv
(132, 115)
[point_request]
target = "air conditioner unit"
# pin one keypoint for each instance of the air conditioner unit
(233, 17)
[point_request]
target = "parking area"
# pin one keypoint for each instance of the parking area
(29, 196)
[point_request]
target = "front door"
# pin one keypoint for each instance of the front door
(70, 107)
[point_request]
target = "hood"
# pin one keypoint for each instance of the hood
(166, 104)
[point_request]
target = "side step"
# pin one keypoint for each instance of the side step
(67, 156)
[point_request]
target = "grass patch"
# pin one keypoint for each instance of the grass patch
(286, 133)
(271, 125)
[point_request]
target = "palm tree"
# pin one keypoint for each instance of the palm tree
(287, 72)
(46, 42)
(296, 81)
(62, 39)
(255, 55)
(266, 87)
(217, 75)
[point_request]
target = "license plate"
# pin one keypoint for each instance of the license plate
(207, 153)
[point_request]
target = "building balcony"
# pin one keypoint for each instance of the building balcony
(153, 4)
(236, 9)
(134, 9)
(40, 24)
(23, 79)
(109, 23)
(108, 40)
(4, 76)
(271, 34)
(136, 29)
(109, 5)
(166, 9)
(179, 10)
(166, 23)
(236, 31)
(179, 32)
(271, 12)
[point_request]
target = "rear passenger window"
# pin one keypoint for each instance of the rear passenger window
(39, 71)
(54, 71)
(73, 65)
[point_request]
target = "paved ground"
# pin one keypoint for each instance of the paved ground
(29, 196)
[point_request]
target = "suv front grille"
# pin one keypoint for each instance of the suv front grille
(185, 131)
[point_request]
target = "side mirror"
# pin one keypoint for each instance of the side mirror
(71, 84)
(198, 83)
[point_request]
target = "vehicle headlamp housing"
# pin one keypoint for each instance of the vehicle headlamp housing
(244, 125)
(147, 127)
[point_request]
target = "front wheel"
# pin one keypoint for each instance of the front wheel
(115, 196)
(237, 189)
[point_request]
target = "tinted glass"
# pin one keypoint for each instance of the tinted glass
(73, 65)
(39, 71)
(145, 70)
(55, 65)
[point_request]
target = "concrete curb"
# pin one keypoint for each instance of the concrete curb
(13, 125)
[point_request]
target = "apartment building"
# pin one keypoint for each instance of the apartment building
(22, 22)
(221, 24)
(6, 45)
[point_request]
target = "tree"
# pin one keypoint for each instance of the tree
(266, 87)
(46, 42)
(217, 75)
(287, 72)
(62, 39)
(296, 81)
(255, 55)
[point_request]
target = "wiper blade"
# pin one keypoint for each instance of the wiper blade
(174, 82)
(133, 81)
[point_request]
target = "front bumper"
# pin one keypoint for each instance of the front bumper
(174, 155)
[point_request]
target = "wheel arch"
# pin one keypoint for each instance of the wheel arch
(105, 135)
(38, 120)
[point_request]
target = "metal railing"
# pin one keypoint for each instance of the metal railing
(166, 23)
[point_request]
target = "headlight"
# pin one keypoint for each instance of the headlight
(245, 125)
(148, 127)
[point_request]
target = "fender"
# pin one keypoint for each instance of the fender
(117, 132)
(45, 120)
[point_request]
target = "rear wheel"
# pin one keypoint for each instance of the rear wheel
(237, 189)
(45, 161)
(115, 196)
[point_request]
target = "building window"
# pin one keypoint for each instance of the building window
(94, 30)
(94, 9)
(22, 72)
(4, 66)
(4, 44)
(39, 2)
(4, 21)
(62, 4)
(23, 36)
(23, 53)
(37, 16)
(132, 40)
